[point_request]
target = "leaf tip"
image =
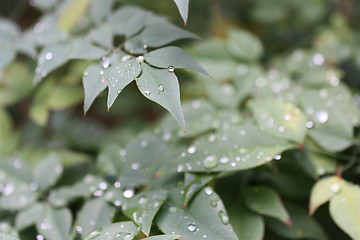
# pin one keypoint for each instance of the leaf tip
(289, 222)
(156, 175)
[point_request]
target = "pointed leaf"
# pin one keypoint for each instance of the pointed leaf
(119, 230)
(230, 149)
(162, 87)
(324, 190)
(205, 217)
(247, 224)
(345, 209)
(173, 57)
(55, 223)
(94, 83)
(95, 213)
(266, 201)
(280, 119)
(118, 76)
(183, 6)
(48, 171)
(143, 207)
(29, 217)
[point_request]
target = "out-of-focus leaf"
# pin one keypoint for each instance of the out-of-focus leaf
(230, 149)
(173, 57)
(266, 201)
(244, 46)
(247, 224)
(323, 191)
(7, 56)
(99, 9)
(119, 230)
(8, 30)
(6, 236)
(345, 209)
(183, 6)
(162, 87)
(39, 114)
(71, 14)
(303, 226)
(29, 217)
(48, 171)
(103, 36)
(118, 76)
(94, 83)
(8, 139)
(142, 208)
(205, 216)
(55, 223)
(43, 4)
(95, 213)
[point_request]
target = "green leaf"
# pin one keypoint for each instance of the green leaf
(29, 217)
(230, 149)
(163, 237)
(173, 57)
(142, 208)
(55, 223)
(95, 213)
(99, 9)
(205, 217)
(7, 56)
(48, 171)
(8, 230)
(281, 119)
(8, 30)
(183, 6)
(345, 209)
(158, 34)
(247, 224)
(72, 13)
(244, 45)
(118, 76)
(39, 114)
(63, 96)
(5, 236)
(8, 139)
(303, 226)
(102, 35)
(193, 183)
(14, 167)
(94, 83)
(44, 4)
(324, 190)
(119, 230)
(162, 87)
(266, 201)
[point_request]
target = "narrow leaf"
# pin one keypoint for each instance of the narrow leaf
(183, 6)
(162, 87)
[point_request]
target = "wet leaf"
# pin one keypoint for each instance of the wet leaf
(48, 171)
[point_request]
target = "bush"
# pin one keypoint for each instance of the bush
(266, 134)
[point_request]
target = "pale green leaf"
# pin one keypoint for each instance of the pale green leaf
(183, 6)
(17, 195)
(43, 4)
(29, 217)
(173, 57)
(118, 76)
(162, 87)
(99, 9)
(94, 83)
(48, 171)
(266, 201)
(345, 209)
(55, 223)
(279, 118)
(193, 183)
(205, 216)
(7, 56)
(5, 236)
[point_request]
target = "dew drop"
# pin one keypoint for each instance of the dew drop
(122, 152)
(161, 88)
(105, 62)
(318, 59)
(208, 191)
(322, 116)
(287, 117)
(191, 149)
(125, 58)
(224, 160)
(277, 157)
(335, 188)
(172, 209)
(40, 237)
(48, 56)
(93, 235)
(143, 143)
(171, 69)
(224, 217)
(79, 229)
(309, 124)
(147, 92)
(128, 193)
(142, 200)
(210, 161)
(117, 184)
(192, 227)
(140, 59)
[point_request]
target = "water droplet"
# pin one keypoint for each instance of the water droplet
(105, 62)
(103, 185)
(48, 56)
(143, 143)
(40, 237)
(335, 188)
(171, 69)
(8, 189)
(98, 193)
(39, 28)
(79, 229)
(140, 59)
(191, 149)
(322, 116)
(318, 59)
(192, 227)
(125, 58)
(93, 235)
(224, 160)
(147, 92)
(208, 191)
(287, 117)
(210, 161)
(196, 104)
(117, 203)
(128, 193)
(161, 87)
(224, 217)
(204, 236)
(135, 166)
(214, 203)
(117, 184)
(122, 152)
(142, 200)
(309, 124)
(172, 209)
(277, 157)
(119, 91)
(180, 168)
